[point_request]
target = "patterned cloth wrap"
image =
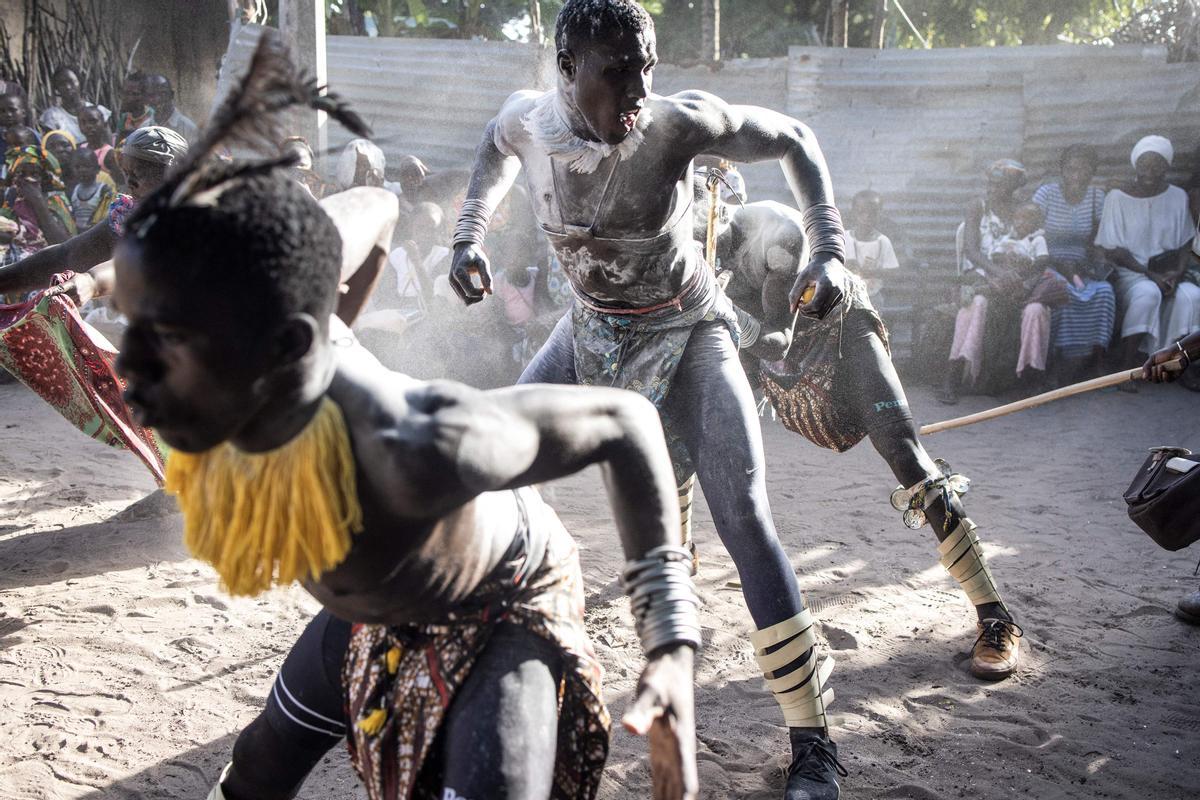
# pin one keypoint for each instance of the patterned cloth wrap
(640, 349)
(808, 388)
(66, 362)
(406, 676)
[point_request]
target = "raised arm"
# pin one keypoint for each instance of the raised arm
(365, 217)
(495, 170)
(751, 133)
(79, 253)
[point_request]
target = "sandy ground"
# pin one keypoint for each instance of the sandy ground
(124, 673)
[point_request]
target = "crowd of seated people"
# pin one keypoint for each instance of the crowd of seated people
(61, 170)
(1077, 281)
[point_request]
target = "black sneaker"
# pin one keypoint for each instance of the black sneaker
(815, 767)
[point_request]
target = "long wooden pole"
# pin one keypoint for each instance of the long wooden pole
(1041, 399)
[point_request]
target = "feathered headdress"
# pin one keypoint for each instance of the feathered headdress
(251, 116)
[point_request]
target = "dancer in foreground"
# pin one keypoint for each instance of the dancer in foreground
(403, 506)
(608, 166)
(837, 385)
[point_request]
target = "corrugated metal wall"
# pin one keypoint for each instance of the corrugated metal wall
(916, 126)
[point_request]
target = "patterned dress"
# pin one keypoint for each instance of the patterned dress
(1086, 322)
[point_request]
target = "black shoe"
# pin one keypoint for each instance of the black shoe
(815, 767)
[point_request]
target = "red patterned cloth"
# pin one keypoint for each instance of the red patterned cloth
(45, 344)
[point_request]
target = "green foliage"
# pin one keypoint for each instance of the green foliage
(964, 23)
(768, 27)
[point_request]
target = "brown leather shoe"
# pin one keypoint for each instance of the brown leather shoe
(1188, 609)
(994, 655)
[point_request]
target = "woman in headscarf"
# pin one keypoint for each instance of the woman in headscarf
(997, 285)
(61, 144)
(35, 202)
(1144, 230)
(145, 157)
(1083, 327)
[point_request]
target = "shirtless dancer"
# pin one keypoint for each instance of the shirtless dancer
(761, 245)
(405, 506)
(608, 166)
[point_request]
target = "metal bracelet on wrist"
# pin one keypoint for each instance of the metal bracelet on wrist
(663, 599)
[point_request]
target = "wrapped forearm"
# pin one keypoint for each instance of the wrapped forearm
(472, 222)
(749, 328)
(824, 231)
(663, 599)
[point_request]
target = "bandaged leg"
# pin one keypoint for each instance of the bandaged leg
(962, 556)
(216, 793)
(801, 692)
(995, 652)
(686, 492)
(787, 655)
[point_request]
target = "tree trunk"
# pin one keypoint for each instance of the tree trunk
(879, 24)
(710, 30)
(535, 22)
(841, 23)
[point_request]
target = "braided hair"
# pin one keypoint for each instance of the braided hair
(243, 224)
(582, 23)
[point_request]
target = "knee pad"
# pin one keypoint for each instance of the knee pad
(802, 694)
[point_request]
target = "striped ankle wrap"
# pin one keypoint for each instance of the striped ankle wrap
(802, 694)
(962, 556)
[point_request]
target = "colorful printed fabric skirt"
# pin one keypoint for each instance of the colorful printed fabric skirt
(45, 345)
(807, 388)
(400, 682)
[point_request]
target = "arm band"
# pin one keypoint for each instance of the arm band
(472, 222)
(824, 231)
(662, 598)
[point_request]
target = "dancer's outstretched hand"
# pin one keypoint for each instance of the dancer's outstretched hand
(468, 262)
(827, 279)
(663, 710)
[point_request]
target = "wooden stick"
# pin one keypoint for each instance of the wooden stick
(1037, 400)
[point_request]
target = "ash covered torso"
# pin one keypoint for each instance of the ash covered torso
(621, 231)
(402, 570)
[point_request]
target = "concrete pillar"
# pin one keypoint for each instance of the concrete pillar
(302, 24)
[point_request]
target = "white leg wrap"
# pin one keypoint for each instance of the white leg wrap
(962, 556)
(686, 490)
(802, 694)
(216, 793)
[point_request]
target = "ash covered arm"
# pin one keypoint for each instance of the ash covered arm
(495, 170)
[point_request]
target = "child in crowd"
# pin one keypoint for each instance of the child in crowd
(867, 249)
(93, 192)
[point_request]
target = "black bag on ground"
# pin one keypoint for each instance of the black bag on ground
(1164, 498)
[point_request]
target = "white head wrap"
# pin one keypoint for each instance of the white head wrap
(349, 158)
(1152, 144)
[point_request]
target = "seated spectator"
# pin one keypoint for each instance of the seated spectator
(362, 163)
(34, 200)
(135, 113)
(1082, 329)
(1144, 230)
(16, 138)
(13, 111)
(93, 193)
(1003, 264)
(99, 138)
(61, 145)
(303, 173)
(63, 115)
(160, 95)
(867, 249)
